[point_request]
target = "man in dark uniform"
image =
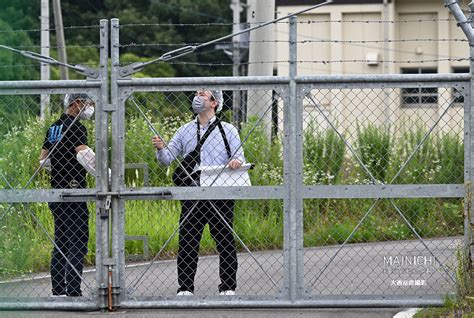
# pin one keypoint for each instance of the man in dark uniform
(66, 154)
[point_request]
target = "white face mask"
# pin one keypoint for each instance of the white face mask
(198, 104)
(87, 113)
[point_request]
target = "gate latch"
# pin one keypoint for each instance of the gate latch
(108, 201)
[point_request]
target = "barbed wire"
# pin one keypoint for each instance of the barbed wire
(381, 41)
(376, 21)
(210, 24)
(52, 29)
(324, 62)
(357, 43)
(387, 61)
(300, 67)
(134, 25)
(133, 44)
(354, 43)
(123, 63)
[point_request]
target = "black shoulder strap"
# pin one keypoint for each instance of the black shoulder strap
(206, 134)
(226, 142)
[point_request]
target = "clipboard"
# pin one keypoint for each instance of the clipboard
(223, 176)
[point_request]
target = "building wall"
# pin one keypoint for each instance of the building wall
(349, 109)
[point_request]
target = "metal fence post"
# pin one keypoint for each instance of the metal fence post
(118, 149)
(102, 217)
(469, 147)
(292, 178)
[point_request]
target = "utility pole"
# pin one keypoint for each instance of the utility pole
(236, 97)
(44, 68)
(261, 55)
(58, 23)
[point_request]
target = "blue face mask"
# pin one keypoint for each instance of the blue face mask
(198, 104)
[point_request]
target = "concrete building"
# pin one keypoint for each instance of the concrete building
(376, 37)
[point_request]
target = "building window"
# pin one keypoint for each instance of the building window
(458, 97)
(419, 96)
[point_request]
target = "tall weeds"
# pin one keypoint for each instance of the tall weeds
(374, 146)
(323, 156)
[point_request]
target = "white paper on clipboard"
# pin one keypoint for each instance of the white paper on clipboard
(225, 178)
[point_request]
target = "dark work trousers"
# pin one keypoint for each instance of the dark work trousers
(71, 234)
(190, 233)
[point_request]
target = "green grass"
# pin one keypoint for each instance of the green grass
(463, 303)
(24, 247)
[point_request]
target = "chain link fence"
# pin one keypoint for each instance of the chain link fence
(351, 191)
(383, 136)
(48, 243)
(158, 232)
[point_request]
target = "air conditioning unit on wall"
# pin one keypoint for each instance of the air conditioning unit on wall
(372, 58)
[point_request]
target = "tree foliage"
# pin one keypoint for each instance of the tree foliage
(23, 14)
(20, 14)
(12, 67)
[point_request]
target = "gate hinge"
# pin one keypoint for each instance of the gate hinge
(468, 201)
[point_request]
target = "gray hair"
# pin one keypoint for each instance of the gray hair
(219, 97)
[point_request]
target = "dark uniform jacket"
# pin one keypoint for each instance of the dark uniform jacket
(66, 171)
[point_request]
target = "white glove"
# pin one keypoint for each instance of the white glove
(45, 164)
(86, 158)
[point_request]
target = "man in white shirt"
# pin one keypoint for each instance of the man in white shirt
(222, 146)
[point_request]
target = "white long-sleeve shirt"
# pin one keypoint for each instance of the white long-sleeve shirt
(213, 151)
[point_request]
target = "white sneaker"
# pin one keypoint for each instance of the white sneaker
(227, 293)
(184, 293)
(57, 296)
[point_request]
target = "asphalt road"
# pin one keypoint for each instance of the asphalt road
(386, 268)
(222, 313)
